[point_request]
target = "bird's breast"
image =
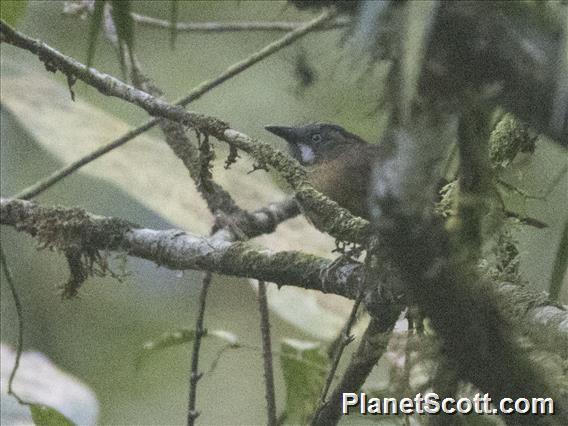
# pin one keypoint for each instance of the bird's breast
(344, 180)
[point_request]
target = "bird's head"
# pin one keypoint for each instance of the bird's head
(316, 143)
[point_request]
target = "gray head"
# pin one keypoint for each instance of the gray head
(314, 143)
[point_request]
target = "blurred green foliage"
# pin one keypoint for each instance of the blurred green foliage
(305, 367)
(12, 11)
(45, 416)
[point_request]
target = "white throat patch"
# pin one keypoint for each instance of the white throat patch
(307, 153)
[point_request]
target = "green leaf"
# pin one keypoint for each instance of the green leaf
(232, 342)
(166, 340)
(173, 22)
(560, 265)
(12, 11)
(305, 367)
(96, 23)
(46, 416)
(181, 337)
(227, 336)
(124, 25)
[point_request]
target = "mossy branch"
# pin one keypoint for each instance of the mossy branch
(61, 228)
(65, 229)
(330, 218)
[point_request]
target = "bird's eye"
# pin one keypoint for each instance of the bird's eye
(316, 137)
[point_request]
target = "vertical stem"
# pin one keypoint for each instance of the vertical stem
(346, 338)
(18, 304)
(194, 376)
(560, 268)
(267, 354)
(371, 348)
(475, 175)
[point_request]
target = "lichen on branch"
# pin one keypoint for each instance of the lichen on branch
(334, 220)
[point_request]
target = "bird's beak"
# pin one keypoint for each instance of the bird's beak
(287, 133)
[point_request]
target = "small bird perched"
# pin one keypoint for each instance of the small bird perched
(338, 162)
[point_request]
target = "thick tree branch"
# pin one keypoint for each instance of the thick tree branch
(441, 277)
(62, 229)
(542, 319)
(179, 250)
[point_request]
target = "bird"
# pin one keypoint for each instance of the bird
(338, 163)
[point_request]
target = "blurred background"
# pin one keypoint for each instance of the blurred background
(98, 335)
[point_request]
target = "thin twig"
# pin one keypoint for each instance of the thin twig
(405, 382)
(198, 161)
(372, 346)
(173, 19)
(193, 95)
(232, 222)
(47, 182)
(195, 375)
(199, 164)
(19, 315)
(346, 338)
(232, 26)
(267, 354)
(202, 179)
(407, 354)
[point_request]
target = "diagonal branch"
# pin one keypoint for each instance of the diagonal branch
(20, 324)
(371, 348)
(194, 94)
(330, 218)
